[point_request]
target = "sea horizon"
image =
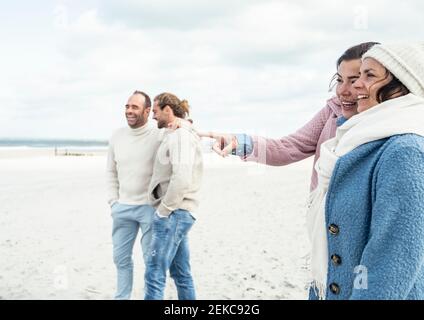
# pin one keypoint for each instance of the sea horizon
(51, 143)
(68, 144)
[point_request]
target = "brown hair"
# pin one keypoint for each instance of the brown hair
(353, 53)
(394, 87)
(147, 101)
(180, 108)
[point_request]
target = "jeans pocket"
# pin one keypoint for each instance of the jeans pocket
(185, 216)
(114, 207)
(184, 224)
(161, 222)
(161, 233)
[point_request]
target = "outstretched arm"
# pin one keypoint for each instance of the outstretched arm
(276, 152)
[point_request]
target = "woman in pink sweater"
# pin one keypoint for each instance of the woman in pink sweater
(306, 141)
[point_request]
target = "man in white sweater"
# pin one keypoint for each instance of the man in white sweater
(173, 191)
(132, 151)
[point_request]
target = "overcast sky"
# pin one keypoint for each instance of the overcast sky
(262, 67)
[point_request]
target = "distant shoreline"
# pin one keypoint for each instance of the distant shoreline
(211, 159)
(10, 152)
(51, 143)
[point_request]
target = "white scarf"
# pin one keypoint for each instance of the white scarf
(396, 116)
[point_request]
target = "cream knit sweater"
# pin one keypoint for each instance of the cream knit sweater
(130, 163)
(177, 172)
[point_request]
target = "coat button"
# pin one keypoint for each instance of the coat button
(334, 288)
(334, 229)
(336, 260)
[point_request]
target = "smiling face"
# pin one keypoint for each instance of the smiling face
(373, 77)
(347, 74)
(136, 112)
(162, 116)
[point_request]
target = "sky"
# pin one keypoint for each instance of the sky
(262, 67)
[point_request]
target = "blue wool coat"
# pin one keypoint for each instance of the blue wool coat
(375, 221)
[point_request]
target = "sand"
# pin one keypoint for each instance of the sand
(249, 241)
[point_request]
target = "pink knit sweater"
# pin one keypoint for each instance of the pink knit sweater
(302, 144)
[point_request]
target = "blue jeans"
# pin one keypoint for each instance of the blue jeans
(169, 251)
(127, 219)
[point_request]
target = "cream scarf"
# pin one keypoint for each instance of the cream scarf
(393, 117)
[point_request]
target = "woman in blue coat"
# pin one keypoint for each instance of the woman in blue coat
(366, 217)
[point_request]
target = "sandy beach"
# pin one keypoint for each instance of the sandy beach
(249, 241)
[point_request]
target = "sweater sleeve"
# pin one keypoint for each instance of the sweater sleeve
(182, 157)
(112, 176)
(394, 254)
(295, 147)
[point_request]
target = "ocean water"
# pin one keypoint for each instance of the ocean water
(73, 145)
(51, 143)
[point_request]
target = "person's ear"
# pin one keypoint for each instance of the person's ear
(147, 110)
(167, 110)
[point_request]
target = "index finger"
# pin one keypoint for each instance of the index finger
(217, 148)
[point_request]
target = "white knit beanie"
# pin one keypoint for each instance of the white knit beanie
(404, 61)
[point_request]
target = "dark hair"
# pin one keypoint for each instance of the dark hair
(394, 87)
(147, 101)
(180, 108)
(355, 52)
